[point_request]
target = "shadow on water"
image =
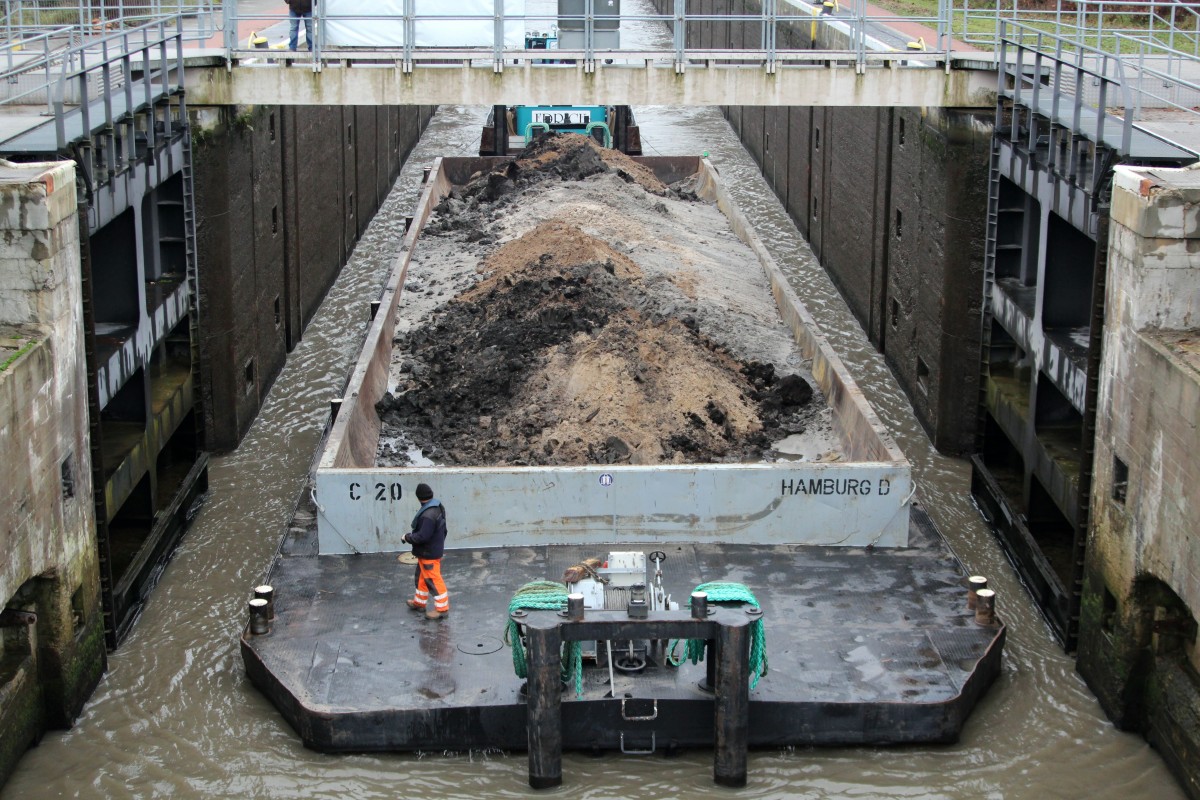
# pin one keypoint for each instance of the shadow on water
(175, 716)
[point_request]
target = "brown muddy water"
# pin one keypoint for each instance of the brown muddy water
(175, 716)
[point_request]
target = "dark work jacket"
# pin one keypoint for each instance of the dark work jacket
(300, 6)
(428, 536)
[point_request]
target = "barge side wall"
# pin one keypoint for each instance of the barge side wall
(863, 502)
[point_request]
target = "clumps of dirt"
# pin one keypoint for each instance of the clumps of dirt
(565, 157)
(554, 247)
(564, 353)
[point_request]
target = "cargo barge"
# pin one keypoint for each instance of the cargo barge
(868, 635)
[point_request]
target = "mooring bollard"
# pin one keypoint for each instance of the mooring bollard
(699, 605)
(375, 304)
(974, 584)
(260, 623)
(265, 592)
(575, 607)
(985, 607)
(425, 172)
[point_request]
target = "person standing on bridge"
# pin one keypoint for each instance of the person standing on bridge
(299, 10)
(428, 538)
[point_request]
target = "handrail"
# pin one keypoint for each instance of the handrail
(399, 35)
(19, 64)
(1108, 72)
(155, 38)
(97, 17)
(1090, 22)
(1171, 79)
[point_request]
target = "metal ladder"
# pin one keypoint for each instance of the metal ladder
(191, 272)
(989, 280)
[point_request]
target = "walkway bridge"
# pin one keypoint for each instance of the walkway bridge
(655, 52)
(488, 52)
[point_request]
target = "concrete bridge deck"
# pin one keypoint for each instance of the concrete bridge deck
(819, 78)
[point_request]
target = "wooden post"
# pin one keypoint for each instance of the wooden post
(544, 698)
(731, 726)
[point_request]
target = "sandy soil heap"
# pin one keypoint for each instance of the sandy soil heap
(597, 332)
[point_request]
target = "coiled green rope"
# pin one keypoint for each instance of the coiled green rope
(546, 596)
(727, 592)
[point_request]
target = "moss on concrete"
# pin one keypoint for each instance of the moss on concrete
(71, 673)
(22, 713)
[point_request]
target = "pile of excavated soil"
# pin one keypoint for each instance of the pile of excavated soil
(568, 308)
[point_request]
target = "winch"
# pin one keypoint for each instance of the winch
(620, 583)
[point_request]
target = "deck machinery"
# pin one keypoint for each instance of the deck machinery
(610, 126)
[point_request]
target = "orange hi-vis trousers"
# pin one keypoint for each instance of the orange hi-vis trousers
(429, 579)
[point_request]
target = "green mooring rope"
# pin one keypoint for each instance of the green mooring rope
(726, 592)
(549, 596)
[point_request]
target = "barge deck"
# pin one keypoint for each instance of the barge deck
(865, 647)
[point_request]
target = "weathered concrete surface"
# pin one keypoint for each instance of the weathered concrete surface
(1137, 645)
(49, 666)
(964, 86)
(282, 195)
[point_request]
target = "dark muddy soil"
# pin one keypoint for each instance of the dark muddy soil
(563, 353)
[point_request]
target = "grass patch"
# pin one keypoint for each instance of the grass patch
(9, 361)
(1095, 30)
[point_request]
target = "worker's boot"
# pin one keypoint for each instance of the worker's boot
(415, 606)
(433, 613)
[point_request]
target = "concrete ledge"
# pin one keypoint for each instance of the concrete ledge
(1157, 203)
(820, 82)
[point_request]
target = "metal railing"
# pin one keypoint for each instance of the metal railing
(1160, 77)
(1109, 87)
(1044, 75)
(781, 34)
(1100, 24)
(111, 83)
(145, 65)
(778, 35)
(28, 66)
(93, 18)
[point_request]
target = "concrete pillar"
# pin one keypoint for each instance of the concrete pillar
(47, 525)
(1141, 596)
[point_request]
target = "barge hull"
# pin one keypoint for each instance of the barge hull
(866, 647)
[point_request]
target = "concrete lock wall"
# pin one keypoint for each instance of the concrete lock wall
(893, 203)
(1138, 646)
(51, 625)
(282, 195)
